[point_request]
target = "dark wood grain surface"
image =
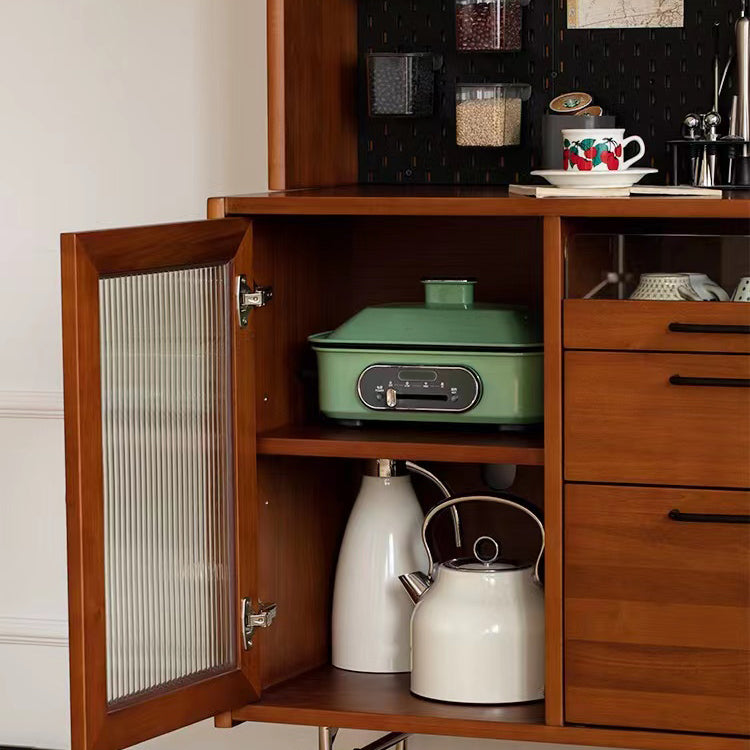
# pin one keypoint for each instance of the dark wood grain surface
(554, 242)
(657, 612)
(378, 200)
(404, 442)
(304, 506)
(312, 104)
(626, 423)
(644, 325)
(382, 702)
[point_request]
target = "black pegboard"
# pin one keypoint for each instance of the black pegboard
(648, 78)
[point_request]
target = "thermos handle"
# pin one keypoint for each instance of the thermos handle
(485, 498)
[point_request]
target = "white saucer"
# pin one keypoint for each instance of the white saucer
(593, 179)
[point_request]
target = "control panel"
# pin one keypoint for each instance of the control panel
(419, 388)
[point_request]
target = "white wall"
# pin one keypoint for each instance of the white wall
(112, 113)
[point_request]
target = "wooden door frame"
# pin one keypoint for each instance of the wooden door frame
(85, 259)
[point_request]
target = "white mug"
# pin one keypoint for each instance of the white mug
(742, 292)
(679, 287)
(598, 149)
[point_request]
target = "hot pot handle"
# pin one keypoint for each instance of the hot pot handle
(484, 498)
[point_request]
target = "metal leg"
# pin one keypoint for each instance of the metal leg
(396, 740)
(326, 736)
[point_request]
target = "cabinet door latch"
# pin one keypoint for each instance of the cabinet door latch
(251, 620)
(247, 299)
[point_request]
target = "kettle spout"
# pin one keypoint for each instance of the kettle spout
(415, 584)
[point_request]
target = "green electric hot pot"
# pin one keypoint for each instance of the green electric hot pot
(448, 360)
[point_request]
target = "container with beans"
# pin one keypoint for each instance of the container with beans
(488, 25)
(489, 114)
(401, 84)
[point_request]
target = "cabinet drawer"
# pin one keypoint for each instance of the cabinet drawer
(657, 326)
(657, 618)
(675, 419)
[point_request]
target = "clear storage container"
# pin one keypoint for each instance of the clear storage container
(401, 84)
(493, 25)
(490, 114)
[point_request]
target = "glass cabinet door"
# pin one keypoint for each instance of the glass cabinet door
(155, 429)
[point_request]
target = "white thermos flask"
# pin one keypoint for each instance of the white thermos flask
(371, 614)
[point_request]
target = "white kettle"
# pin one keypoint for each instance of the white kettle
(477, 629)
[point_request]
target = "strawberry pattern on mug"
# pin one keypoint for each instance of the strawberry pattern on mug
(598, 149)
(587, 154)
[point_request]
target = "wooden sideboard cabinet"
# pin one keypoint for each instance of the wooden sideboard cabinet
(203, 486)
(206, 497)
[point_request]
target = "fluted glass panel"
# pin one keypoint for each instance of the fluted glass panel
(166, 398)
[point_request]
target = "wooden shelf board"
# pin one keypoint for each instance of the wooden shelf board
(405, 442)
(382, 702)
(379, 200)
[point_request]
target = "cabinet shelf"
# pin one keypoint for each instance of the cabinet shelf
(405, 442)
(382, 702)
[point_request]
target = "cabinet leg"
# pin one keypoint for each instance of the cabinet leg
(326, 736)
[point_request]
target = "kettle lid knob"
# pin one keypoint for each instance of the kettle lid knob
(486, 550)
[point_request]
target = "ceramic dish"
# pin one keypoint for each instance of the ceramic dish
(595, 180)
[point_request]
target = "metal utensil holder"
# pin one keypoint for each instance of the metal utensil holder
(689, 155)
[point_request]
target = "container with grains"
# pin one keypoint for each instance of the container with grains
(401, 84)
(489, 25)
(490, 114)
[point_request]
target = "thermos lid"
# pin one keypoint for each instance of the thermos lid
(384, 468)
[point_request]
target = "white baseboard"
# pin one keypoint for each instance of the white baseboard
(27, 631)
(31, 405)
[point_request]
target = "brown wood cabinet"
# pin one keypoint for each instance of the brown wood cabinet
(621, 670)
(171, 590)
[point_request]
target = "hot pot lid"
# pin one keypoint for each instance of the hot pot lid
(448, 319)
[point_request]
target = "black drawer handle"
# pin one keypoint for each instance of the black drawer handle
(677, 515)
(711, 382)
(700, 328)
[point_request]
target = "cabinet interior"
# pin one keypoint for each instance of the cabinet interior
(595, 248)
(304, 504)
(324, 270)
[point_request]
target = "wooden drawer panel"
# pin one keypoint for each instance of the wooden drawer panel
(626, 324)
(657, 612)
(625, 422)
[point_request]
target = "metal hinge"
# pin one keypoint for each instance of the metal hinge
(252, 620)
(247, 298)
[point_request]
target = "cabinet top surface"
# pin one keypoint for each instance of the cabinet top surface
(367, 200)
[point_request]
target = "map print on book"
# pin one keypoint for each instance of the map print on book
(624, 14)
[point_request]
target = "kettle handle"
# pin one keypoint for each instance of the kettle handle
(486, 498)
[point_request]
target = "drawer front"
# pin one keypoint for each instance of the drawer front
(674, 419)
(657, 611)
(657, 326)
